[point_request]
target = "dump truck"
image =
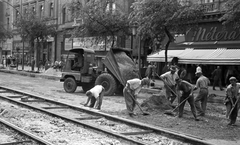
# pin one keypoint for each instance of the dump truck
(79, 70)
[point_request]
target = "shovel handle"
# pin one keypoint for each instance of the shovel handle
(234, 105)
(167, 85)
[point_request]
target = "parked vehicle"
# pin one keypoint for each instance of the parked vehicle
(78, 70)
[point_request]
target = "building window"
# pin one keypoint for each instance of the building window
(111, 7)
(64, 15)
(33, 9)
(51, 11)
(8, 23)
(41, 11)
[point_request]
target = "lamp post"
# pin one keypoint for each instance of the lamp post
(134, 33)
(22, 34)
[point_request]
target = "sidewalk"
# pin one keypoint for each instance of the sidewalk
(217, 95)
(48, 74)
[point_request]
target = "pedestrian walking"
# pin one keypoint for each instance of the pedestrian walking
(232, 100)
(95, 95)
(169, 78)
(182, 73)
(217, 74)
(32, 64)
(187, 95)
(202, 83)
(150, 72)
(131, 91)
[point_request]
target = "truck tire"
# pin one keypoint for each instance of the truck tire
(87, 86)
(108, 82)
(70, 85)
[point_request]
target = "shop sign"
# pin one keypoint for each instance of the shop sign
(93, 43)
(212, 33)
(68, 44)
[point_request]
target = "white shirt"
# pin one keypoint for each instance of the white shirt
(96, 90)
(170, 78)
(135, 85)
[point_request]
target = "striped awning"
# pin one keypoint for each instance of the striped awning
(218, 56)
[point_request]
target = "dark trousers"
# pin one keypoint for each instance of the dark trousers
(234, 114)
(130, 102)
(97, 100)
(201, 101)
(217, 81)
(170, 96)
(191, 103)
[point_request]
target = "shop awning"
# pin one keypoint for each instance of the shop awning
(219, 56)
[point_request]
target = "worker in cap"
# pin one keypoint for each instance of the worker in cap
(201, 84)
(187, 94)
(170, 83)
(232, 100)
(131, 91)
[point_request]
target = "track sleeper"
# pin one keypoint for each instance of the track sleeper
(59, 107)
(35, 100)
(14, 96)
(18, 142)
(4, 91)
(138, 132)
(89, 118)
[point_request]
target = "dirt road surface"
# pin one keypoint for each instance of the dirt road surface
(213, 127)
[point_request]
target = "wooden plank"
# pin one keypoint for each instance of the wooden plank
(15, 96)
(89, 118)
(58, 107)
(35, 100)
(4, 91)
(137, 132)
(15, 143)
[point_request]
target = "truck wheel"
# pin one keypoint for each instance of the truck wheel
(108, 82)
(70, 85)
(87, 86)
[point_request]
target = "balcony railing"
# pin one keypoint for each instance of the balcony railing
(214, 6)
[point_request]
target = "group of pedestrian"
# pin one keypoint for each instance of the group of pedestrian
(176, 87)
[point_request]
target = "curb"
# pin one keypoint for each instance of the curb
(30, 74)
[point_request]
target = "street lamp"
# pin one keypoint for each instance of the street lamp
(22, 35)
(134, 33)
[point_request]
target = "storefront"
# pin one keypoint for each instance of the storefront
(209, 45)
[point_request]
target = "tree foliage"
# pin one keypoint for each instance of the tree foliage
(4, 33)
(99, 19)
(156, 18)
(232, 13)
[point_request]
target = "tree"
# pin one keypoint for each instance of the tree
(100, 19)
(31, 28)
(4, 33)
(232, 13)
(157, 18)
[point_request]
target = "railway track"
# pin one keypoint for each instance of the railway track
(26, 138)
(124, 129)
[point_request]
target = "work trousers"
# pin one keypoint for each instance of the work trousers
(129, 99)
(97, 102)
(191, 103)
(234, 114)
(217, 81)
(201, 101)
(170, 96)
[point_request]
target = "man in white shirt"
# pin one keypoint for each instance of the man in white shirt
(95, 95)
(131, 91)
(169, 78)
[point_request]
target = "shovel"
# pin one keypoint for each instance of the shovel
(144, 113)
(234, 105)
(171, 112)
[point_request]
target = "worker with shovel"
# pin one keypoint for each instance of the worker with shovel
(232, 100)
(130, 93)
(169, 83)
(187, 95)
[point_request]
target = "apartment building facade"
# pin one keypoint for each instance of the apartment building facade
(60, 14)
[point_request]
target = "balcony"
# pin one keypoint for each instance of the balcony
(214, 6)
